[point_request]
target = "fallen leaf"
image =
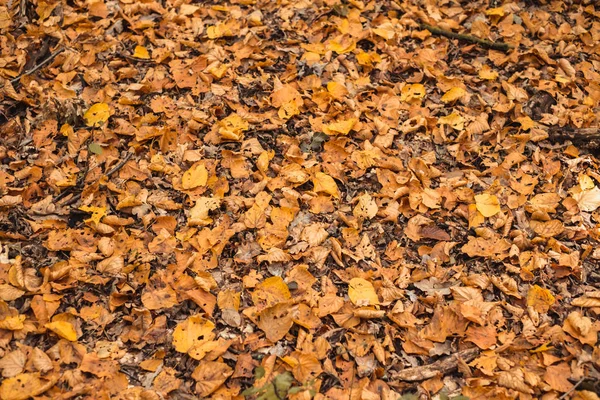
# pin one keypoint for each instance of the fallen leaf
(362, 292)
(97, 114)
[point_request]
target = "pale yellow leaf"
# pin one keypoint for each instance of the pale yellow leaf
(362, 292)
(487, 204)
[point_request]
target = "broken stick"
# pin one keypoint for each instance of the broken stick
(40, 65)
(439, 367)
(467, 38)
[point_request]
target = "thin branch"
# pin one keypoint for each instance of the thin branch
(120, 165)
(40, 65)
(587, 138)
(113, 170)
(442, 366)
(575, 386)
(467, 38)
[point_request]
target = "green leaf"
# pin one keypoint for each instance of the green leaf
(259, 372)
(296, 389)
(251, 391)
(95, 148)
(283, 382)
(409, 396)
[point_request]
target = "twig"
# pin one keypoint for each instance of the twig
(575, 386)
(40, 65)
(467, 38)
(113, 170)
(588, 138)
(120, 165)
(441, 366)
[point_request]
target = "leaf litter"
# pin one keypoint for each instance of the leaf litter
(312, 199)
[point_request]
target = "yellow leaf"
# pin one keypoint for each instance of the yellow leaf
(485, 72)
(337, 90)
(141, 52)
(341, 127)
(540, 299)
(217, 70)
(64, 329)
(487, 204)
(475, 217)
(366, 208)
(526, 123)
(288, 110)
(498, 11)
(362, 292)
(385, 30)
(13, 323)
(233, 127)
(192, 332)
(97, 213)
(97, 114)
(199, 213)
(270, 292)
(588, 200)
(343, 45)
(25, 386)
(585, 182)
(229, 298)
(453, 94)
(219, 30)
(194, 177)
(412, 92)
(325, 184)
(455, 120)
(367, 59)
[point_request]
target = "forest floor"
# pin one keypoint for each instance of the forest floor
(329, 199)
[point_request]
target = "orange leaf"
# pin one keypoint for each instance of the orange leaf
(540, 299)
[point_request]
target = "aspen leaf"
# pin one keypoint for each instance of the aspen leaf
(288, 110)
(385, 30)
(199, 213)
(487, 204)
(97, 114)
(337, 90)
(362, 292)
(454, 120)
